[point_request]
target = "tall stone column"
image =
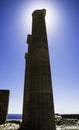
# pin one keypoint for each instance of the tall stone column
(38, 107)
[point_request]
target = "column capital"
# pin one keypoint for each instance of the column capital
(41, 12)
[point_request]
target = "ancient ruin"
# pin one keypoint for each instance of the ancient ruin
(4, 100)
(38, 107)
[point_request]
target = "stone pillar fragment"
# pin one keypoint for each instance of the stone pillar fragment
(4, 100)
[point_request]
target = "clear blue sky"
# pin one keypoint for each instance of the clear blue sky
(63, 48)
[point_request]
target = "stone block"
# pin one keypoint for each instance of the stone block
(4, 100)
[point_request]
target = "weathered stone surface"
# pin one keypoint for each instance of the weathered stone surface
(38, 108)
(4, 100)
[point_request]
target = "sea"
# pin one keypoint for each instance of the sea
(15, 116)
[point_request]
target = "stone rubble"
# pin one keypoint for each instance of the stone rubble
(61, 124)
(10, 125)
(66, 123)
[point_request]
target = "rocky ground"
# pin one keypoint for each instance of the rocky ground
(11, 125)
(66, 123)
(61, 124)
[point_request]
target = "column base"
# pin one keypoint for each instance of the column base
(23, 128)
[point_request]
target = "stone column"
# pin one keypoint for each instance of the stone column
(38, 107)
(4, 100)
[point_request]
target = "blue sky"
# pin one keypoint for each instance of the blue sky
(63, 42)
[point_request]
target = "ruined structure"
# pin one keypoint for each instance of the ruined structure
(4, 100)
(38, 107)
